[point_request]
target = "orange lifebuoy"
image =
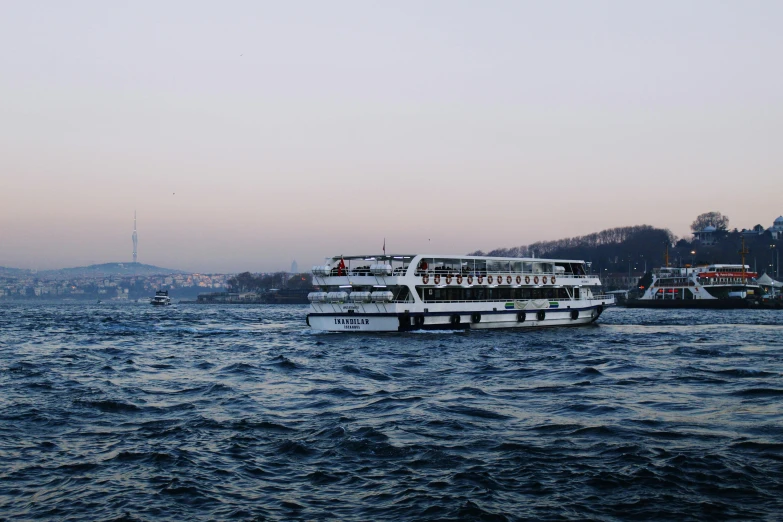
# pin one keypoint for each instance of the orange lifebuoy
(519, 280)
(543, 279)
(470, 280)
(508, 280)
(535, 279)
(448, 279)
(459, 279)
(425, 279)
(480, 279)
(553, 279)
(437, 279)
(527, 280)
(489, 279)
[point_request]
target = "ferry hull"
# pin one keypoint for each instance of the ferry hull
(353, 322)
(358, 322)
(704, 304)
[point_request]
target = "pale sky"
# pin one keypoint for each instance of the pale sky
(247, 134)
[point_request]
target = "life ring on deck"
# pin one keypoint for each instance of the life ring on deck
(527, 280)
(470, 280)
(519, 280)
(543, 279)
(553, 279)
(459, 279)
(508, 280)
(425, 279)
(489, 280)
(448, 279)
(437, 279)
(480, 280)
(535, 279)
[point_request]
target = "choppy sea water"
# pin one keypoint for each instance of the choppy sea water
(128, 412)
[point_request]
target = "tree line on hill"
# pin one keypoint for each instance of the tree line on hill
(638, 248)
(260, 283)
(611, 249)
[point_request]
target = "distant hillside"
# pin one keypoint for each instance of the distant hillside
(13, 272)
(110, 269)
(615, 249)
(105, 269)
(630, 250)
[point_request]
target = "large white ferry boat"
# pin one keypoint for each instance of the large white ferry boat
(391, 293)
(710, 286)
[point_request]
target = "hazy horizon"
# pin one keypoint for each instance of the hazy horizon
(247, 135)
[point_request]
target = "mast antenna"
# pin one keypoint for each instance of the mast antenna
(135, 237)
(742, 253)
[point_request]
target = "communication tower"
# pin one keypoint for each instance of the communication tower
(135, 237)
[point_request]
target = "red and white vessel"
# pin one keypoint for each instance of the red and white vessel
(711, 286)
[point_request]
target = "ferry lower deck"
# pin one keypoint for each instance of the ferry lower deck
(495, 317)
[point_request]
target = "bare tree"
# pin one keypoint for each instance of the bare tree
(716, 219)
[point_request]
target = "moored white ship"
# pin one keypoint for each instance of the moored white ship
(710, 286)
(390, 293)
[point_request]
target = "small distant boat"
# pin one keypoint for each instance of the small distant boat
(161, 298)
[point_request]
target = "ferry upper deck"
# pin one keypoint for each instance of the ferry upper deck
(443, 265)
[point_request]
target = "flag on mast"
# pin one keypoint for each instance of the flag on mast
(384, 246)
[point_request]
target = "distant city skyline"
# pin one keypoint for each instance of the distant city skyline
(253, 133)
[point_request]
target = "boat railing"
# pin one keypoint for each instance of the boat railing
(473, 273)
(663, 283)
(551, 300)
(485, 273)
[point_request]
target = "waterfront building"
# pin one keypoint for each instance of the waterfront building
(777, 228)
(706, 236)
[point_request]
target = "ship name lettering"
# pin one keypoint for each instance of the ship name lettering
(350, 321)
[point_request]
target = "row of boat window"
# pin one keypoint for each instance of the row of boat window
(491, 294)
(401, 293)
(703, 281)
(364, 271)
(485, 266)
